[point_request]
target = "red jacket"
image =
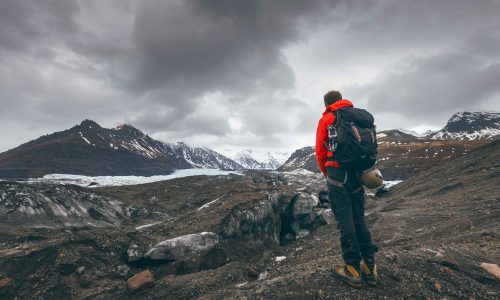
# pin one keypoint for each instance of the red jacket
(322, 135)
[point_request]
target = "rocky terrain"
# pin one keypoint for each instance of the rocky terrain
(303, 158)
(262, 235)
(402, 159)
(399, 156)
(89, 149)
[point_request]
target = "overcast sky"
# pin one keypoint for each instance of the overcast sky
(232, 74)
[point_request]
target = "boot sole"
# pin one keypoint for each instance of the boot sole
(352, 284)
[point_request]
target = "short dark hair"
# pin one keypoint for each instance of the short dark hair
(331, 97)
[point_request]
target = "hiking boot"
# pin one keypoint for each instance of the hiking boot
(348, 274)
(369, 272)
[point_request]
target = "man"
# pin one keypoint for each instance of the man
(347, 199)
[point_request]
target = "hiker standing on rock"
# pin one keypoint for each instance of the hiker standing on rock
(338, 141)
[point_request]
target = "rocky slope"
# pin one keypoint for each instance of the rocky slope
(402, 159)
(470, 126)
(267, 235)
(89, 149)
(398, 159)
(303, 158)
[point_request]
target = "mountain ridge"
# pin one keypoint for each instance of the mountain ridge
(402, 154)
(89, 149)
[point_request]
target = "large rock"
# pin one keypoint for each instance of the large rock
(493, 269)
(256, 219)
(183, 246)
(140, 281)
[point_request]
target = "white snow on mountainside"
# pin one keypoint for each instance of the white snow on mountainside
(132, 139)
(257, 159)
(82, 180)
(411, 132)
(470, 126)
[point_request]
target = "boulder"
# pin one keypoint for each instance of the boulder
(493, 269)
(258, 219)
(140, 281)
(183, 246)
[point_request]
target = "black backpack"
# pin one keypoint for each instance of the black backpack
(356, 140)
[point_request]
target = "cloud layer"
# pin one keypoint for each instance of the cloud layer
(241, 73)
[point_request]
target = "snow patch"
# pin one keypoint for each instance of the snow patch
(147, 225)
(391, 183)
(211, 202)
(84, 138)
(83, 180)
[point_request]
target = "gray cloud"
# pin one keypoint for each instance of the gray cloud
(25, 25)
(233, 73)
(429, 87)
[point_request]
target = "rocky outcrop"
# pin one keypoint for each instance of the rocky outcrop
(183, 246)
(256, 219)
(273, 218)
(31, 205)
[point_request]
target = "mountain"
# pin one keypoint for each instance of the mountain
(259, 160)
(470, 126)
(303, 158)
(396, 134)
(89, 149)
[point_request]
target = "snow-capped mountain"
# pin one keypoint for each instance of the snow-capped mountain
(89, 149)
(255, 159)
(403, 153)
(395, 134)
(303, 158)
(202, 157)
(470, 126)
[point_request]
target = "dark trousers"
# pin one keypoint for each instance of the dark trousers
(347, 199)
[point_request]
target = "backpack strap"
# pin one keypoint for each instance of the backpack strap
(336, 117)
(336, 182)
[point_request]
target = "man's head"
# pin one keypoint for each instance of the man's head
(332, 97)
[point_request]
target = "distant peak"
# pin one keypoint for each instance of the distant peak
(469, 116)
(88, 124)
